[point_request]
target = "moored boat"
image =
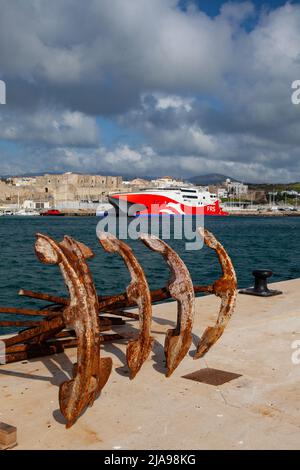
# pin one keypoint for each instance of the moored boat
(52, 212)
(28, 213)
(167, 201)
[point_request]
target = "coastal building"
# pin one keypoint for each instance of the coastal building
(5, 191)
(235, 188)
(137, 183)
(49, 181)
(55, 188)
(291, 192)
(222, 193)
(35, 205)
(22, 181)
(167, 181)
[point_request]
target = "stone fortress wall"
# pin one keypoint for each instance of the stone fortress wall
(59, 187)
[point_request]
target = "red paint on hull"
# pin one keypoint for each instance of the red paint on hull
(156, 204)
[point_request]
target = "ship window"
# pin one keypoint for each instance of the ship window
(188, 196)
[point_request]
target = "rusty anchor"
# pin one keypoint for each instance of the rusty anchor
(225, 288)
(79, 322)
(138, 293)
(180, 287)
(91, 372)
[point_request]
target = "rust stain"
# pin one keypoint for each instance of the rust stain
(266, 410)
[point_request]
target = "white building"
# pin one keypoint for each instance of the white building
(236, 188)
(167, 181)
(23, 181)
(222, 193)
(291, 192)
(35, 205)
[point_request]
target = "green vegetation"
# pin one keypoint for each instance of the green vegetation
(275, 187)
(233, 199)
(286, 200)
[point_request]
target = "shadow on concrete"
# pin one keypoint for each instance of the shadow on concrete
(159, 358)
(59, 365)
(59, 417)
(162, 321)
(195, 341)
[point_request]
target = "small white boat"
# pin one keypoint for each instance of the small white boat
(103, 209)
(7, 212)
(28, 212)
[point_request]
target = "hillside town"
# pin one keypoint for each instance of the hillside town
(81, 194)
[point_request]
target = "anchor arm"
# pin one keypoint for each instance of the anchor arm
(138, 293)
(91, 372)
(180, 286)
(225, 288)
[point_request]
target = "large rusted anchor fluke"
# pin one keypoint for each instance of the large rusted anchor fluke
(180, 286)
(225, 288)
(137, 292)
(90, 373)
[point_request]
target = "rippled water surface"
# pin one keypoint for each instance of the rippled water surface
(252, 242)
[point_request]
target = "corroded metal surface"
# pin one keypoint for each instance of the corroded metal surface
(225, 288)
(91, 372)
(180, 286)
(52, 326)
(137, 292)
(77, 321)
(47, 297)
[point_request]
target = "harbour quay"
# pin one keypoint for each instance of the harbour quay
(243, 395)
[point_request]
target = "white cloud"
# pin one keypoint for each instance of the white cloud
(185, 140)
(172, 101)
(198, 90)
(50, 127)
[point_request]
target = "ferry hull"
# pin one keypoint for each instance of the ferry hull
(154, 204)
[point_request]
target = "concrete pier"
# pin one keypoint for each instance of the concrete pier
(258, 408)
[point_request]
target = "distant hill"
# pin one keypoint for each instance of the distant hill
(211, 178)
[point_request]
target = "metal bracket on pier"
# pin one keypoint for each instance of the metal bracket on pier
(261, 284)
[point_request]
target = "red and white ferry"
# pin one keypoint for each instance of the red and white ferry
(169, 201)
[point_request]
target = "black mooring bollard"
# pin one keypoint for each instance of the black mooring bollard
(260, 285)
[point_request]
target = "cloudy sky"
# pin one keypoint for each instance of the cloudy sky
(151, 87)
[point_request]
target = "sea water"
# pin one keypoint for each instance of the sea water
(251, 242)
